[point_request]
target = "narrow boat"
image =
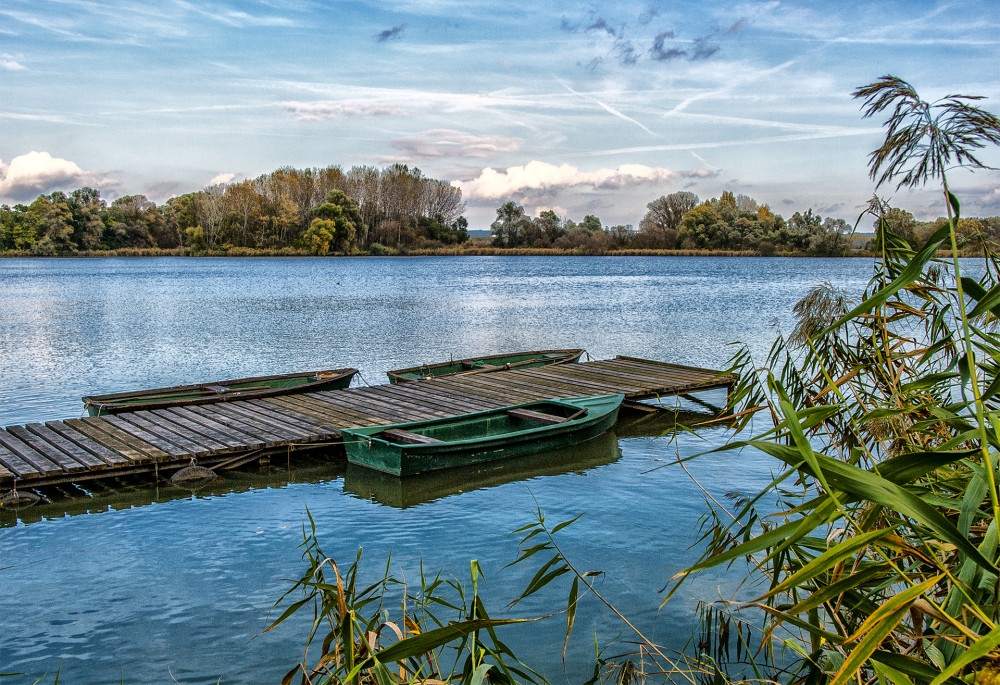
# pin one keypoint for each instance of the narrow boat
(219, 391)
(494, 362)
(405, 449)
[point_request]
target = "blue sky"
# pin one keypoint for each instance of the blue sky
(581, 108)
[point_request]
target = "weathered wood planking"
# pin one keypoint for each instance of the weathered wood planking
(59, 451)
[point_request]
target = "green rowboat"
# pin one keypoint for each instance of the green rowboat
(494, 362)
(405, 449)
(219, 391)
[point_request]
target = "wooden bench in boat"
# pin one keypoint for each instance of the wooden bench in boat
(529, 415)
(406, 436)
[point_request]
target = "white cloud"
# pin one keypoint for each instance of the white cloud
(36, 173)
(493, 184)
(449, 143)
(317, 111)
(222, 178)
(560, 211)
(9, 63)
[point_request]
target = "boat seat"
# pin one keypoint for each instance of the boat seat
(398, 435)
(529, 415)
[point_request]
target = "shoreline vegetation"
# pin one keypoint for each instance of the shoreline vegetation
(458, 251)
(396, 210)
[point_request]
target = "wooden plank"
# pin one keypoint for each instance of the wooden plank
(450, 406)
(448, 397)
(231, 409)
(669, 365)
(115, 439)
(537, 388)
(375, 409)
(384, 409)
(277, 424)
(398, 435)
(64, 461)
(189, 443)
(240, 423)
(320, 411)
(85, 458)
(109, 457)
(652, 375)
(39, 462)
(19, 467)
(579, 384)
(5, 475)
(188, 423)
(538, 416)
(352, 416)
(180, 435)
(241, 438)
(421, 410)
(285, 416)
(503, 394)
(126, 427)
(655, 370)
(637, 376)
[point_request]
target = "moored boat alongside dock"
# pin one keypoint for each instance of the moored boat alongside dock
(486, 364)
(511, 431)
(219, 391)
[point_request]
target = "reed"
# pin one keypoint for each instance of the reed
(440, 633)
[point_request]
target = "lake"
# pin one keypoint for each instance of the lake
(149, 583)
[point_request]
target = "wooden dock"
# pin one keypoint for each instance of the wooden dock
(229, 433)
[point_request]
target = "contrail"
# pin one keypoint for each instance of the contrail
(606, 107)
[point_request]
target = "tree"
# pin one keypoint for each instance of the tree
(319, 236)
(17, 228)
(344, 219)
(830, 239)
(86, 205)
(508, 229)
(703, 228)
(53, 222)
(665, 213)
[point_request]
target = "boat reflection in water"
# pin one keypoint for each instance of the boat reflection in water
(410, 491)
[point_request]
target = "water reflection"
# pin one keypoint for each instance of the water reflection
(124, 492)
(412, 491)
(96, 497)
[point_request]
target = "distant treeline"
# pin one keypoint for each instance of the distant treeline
(732, 224)
(314, 210)
(397, 209)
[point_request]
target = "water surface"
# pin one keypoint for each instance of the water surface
(158, 585)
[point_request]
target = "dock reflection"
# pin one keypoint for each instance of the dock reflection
(329, 465)
(126, 493)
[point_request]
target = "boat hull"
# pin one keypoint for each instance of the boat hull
(480, 437)
(486, 364)
(219, 391)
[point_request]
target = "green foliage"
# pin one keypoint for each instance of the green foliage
(319, 236)
(441, 632)
(881, 561)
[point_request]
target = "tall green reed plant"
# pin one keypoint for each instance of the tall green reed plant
(882, 561)
(438, 633)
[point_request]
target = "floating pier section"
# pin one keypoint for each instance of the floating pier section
(227, 434)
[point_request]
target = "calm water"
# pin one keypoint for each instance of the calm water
(161, 585)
